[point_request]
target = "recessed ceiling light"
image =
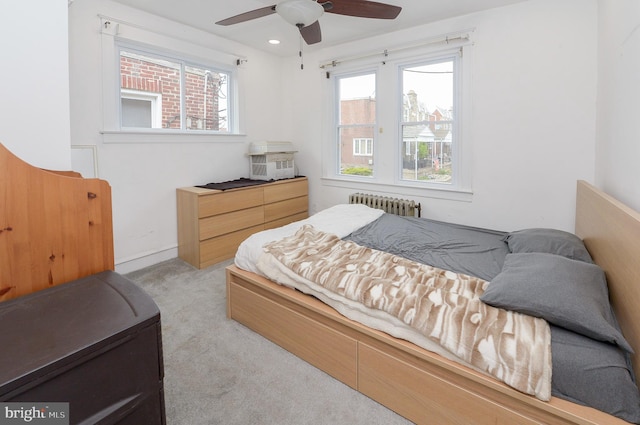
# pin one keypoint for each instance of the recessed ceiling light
(274, 41)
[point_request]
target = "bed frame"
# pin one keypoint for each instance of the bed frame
(425, 387)
(55, 227)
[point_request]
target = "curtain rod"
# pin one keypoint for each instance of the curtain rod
(462, 36)
(240, 58)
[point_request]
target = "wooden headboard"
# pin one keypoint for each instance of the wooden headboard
(55, 227)
(611, 233)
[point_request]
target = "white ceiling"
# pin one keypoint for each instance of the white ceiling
(336, 29)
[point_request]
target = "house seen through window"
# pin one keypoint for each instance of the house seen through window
(356, 124)
(427, 121)
(157, 92)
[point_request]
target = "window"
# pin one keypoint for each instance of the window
(162, 92)
(428, 93)
(400, 122)
(141, 109)
(356, 123)
(363, 147)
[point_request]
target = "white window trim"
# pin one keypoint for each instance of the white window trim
(334, 162)
(454, 55)
(115, 33)
(389, 180)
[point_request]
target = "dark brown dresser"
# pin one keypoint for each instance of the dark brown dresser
(94, 343)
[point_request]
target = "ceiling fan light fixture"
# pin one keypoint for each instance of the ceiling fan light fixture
(300, 12)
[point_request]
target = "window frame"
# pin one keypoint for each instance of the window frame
(114, 32)
(368, 146)
(455, 57)
(388, 160)
(184, 61)
(338, 126)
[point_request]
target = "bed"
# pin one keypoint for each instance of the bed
(79, 340)
(429, 386)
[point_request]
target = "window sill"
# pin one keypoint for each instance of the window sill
(147, 136)
(398, 189)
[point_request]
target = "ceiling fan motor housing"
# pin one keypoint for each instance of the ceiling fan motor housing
(300, 12)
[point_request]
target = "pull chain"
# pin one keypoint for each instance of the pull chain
(300, 53)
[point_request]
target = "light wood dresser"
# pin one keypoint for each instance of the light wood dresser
(213, 223)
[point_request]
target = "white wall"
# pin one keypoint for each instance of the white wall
(618, 132)
(34, 82)
(144, 176)
(533, 113)
(538, 69)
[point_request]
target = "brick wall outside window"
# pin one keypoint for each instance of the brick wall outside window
(163, 77)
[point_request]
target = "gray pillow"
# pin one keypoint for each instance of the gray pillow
(593, 373)
(551, 241)
(567, 293)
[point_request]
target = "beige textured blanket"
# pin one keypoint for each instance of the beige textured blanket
(442, 305)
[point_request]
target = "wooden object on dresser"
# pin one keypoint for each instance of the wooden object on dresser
(213, 223)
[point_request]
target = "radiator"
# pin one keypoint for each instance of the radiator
(387, 204)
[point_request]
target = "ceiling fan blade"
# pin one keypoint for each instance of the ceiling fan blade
(247, 16)
(363, 9)
(311, 33)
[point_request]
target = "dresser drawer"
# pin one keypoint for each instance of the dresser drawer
(285, 189)
(223, 247)
(233, 200)
(230, 222)
(286, 220)
(285, 208)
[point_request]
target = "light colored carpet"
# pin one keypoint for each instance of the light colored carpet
(220, 372)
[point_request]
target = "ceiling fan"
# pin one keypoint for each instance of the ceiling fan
(304, 14)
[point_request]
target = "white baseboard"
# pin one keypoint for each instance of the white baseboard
(125, 266)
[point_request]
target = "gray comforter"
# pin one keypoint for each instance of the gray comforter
(462, 249)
